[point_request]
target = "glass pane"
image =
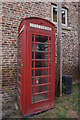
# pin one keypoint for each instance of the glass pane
(32, 64)
(63, 16)
(19, 48)
(32, 73)
(49, 47)
(20, 41)
(32, 37)
(49, 64)
(19, 55)
(49, 39)
(19, 93)
(32, 55)
(19, 63)
(19, 86)
(55, 14)
(41, 97)
(49, 87)
(41, 64)
(49, 95)
(39, 38)
(19, 79)
(19, 70)
(49, 79)
(32, 46)
(42, 88)
(41, 72)
(41, 47)
(42, 80)
(39, 55)
(32, 99)
(49, 55)
(49, 71)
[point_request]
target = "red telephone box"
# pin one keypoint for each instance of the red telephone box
(35, 66)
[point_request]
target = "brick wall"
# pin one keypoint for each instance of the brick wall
(12, 15)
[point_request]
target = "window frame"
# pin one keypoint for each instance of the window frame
(54, 6)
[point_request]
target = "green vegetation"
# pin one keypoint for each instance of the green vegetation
(65, 106)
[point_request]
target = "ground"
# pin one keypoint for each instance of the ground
(65, 107)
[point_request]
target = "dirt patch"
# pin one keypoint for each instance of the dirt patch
(71, 114)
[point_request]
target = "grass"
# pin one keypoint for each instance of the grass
(65, 106)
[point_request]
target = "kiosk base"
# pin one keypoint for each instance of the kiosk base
(35, 113)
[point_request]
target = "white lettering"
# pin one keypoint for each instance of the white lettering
(40, 26)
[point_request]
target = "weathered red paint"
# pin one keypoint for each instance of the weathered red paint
(25, 103)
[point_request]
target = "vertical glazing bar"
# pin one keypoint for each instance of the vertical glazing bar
(34, 73)
(48, 67)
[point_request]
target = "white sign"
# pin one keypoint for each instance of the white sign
(40, 26)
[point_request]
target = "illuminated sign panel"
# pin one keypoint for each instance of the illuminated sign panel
(40, 26)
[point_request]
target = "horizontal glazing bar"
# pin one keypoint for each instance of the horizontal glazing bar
(41, 93)
(42, 68)
(41, 60)
(41, 51)
(41, 76)
(42, 43)
(41, 84)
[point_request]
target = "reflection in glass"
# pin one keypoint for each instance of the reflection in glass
(49, 79)
(41, 64)
(49, 55)
(42, 80)
(39, 38)
(49, 47)
(19, 78)
(32, 64)
(63, 16)
(49, 39)
(42, 88)
(32, 55)
(49, 71)
(32, 73)
(49, 63)
(19, 63)
(32, 98)
(20, 41)
(41, 97)
(19, 70)
(19, 48)
(19, 86)
(19, 55)
(32, 37)
(41, 47)
(41, 72)
(39, 55)
(55, 14)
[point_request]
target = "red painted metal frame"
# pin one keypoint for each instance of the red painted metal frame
(25, 99)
